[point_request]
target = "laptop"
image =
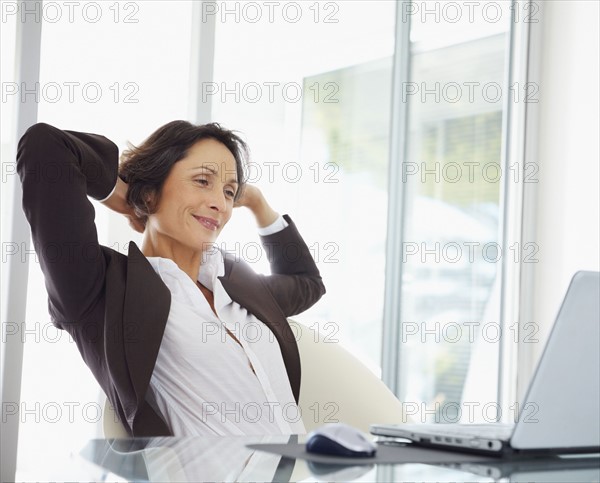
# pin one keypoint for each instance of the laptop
(561, 409)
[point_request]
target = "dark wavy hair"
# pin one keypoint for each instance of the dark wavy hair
(146, 167)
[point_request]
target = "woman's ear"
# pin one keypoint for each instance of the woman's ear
(149, 201)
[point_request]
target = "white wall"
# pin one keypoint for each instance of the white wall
(568, 201)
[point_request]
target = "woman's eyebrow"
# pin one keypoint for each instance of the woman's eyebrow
(208, 168)
(213, 171)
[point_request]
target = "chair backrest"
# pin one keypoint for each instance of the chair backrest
(111, 425)
(335, 387)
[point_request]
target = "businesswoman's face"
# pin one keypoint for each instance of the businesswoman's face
(197, 196)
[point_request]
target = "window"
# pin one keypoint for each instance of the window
(453, 177)
(450, 249)
(452, 206)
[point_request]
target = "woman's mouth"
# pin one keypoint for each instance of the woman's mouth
(208, 223)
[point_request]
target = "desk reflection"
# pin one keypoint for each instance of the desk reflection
(191, 458)
(230, 459)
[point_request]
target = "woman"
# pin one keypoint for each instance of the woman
(183, 338)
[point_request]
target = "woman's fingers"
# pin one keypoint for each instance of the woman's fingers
(250, 196)
(118, 203)
(135, 223)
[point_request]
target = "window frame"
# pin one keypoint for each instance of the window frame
(27, 71)
(516, 205)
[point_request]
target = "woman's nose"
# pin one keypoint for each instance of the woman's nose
(217, 200)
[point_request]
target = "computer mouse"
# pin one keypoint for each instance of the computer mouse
(340, 439)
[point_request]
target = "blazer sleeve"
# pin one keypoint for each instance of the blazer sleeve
(59, 169)
(295, 283)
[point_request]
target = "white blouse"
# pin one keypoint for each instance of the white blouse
(203, 380)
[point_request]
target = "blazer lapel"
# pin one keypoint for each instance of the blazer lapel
(145, 313)
(247, 289)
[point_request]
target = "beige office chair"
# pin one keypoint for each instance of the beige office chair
(336, 387)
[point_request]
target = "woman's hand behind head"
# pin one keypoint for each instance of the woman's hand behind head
(118, 202)
(253, 199)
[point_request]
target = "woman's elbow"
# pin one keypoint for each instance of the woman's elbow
(320, 287)
(314, 290)
(36, 139)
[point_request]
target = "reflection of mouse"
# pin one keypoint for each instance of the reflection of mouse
(341, 440)
(339, 472)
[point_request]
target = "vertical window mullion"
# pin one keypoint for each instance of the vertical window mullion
(398, 134)
(512, 212)
(28, 46)
(530, 155)
(201, 63)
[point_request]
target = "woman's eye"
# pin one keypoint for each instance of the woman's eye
(203, 182)
(230, 193)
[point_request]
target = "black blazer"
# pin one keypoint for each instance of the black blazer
(116, 307)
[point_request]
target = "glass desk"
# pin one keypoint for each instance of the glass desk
(235, 458)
